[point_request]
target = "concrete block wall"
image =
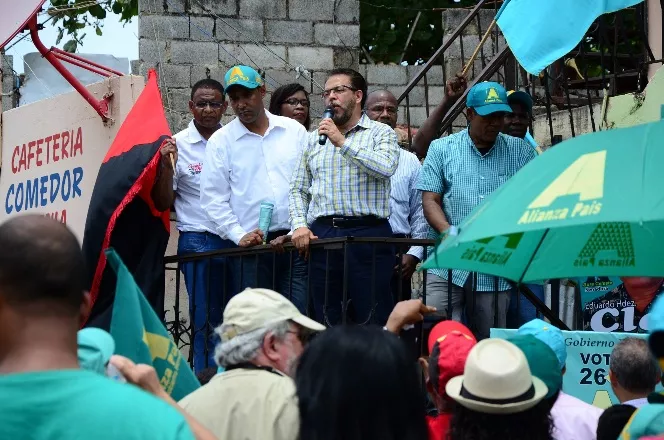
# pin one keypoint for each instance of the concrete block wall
(188, 40)
(7, 82)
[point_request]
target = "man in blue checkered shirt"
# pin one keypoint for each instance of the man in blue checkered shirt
(459, 172)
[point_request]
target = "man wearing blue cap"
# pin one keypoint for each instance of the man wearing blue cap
(572, 418)
(250, 161)
(459, 172)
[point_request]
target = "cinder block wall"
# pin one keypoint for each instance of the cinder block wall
(188, 40)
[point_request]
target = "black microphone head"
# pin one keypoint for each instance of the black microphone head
(328, 113)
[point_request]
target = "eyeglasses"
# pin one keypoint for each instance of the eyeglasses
(293, 102)
(204, 104)
(337, 90)
(379, 110)
(303, 334)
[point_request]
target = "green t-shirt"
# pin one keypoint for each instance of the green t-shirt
(77, 404)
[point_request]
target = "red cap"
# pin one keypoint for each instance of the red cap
(448, 359)
(446, 327)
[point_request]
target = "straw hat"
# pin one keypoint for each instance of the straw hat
(496, 380)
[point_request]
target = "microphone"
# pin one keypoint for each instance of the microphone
(327, 114)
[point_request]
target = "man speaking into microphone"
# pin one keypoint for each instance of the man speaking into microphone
(340, 189)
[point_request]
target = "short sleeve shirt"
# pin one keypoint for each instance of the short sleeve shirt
(464, 177)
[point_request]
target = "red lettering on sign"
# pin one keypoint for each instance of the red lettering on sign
(61, 145)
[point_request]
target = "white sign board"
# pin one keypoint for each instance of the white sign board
(52, 151)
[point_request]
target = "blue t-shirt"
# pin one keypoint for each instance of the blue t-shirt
(78, 404)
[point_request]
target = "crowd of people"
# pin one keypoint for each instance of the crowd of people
(287, 377)
(349, 176)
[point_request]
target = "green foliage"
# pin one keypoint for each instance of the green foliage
(385, 26)
(72, 16)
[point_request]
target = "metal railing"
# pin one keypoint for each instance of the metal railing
(178, 314)
(602, 65)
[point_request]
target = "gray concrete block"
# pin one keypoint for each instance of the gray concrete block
(224, 8)
(135, 66)
(348, 11)
(316, 58)
(194, 52)
(150, 50)
(263, 8)
(174, 75)
(381, 74)
(434, 74)
(177, 99)
(348, 58)
(417, 116)
(327, 34)
(464, 46)
(281, 31)
(163, 27)
(239, 30)
(252, 55)
(415, 96)
(452, 18)
(150, 6)
(213, 71)
(281, 77)
(173, 5)
(201, 28)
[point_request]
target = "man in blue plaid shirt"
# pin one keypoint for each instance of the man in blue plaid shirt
(341, 189)
(459, 172)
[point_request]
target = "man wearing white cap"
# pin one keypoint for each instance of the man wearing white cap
(262, 336)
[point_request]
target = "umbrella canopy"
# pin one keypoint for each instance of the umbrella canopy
(591, 206)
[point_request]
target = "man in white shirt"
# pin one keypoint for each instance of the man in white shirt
(633, 371)
(251, 161)
(208, 293)
(406, 215)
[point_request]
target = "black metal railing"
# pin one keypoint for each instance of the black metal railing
(178, 315)
(612, 59)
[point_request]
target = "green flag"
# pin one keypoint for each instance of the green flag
(140, 335)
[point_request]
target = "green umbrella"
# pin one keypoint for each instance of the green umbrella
(591, 206)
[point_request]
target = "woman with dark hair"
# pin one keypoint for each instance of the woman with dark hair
(359, 383)
(291, 101)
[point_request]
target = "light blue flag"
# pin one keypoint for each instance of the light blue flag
(541, 31)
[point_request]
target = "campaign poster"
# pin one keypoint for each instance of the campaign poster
(587, 368)
(623, 308)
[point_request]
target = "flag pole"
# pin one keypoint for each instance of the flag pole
(172, 160)
(479, 46)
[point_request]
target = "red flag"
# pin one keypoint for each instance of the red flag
(122, 214)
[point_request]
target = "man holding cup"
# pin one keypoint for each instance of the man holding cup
(251, 161)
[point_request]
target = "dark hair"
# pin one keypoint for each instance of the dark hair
(281, 94)
(357, 81)
(204, 376)
(42, 268)
(613, 420)
(208, 83)
(633, 366)
(359, 383)
(532, 424)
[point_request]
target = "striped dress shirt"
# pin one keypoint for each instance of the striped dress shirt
(463, 176)
(353, 180)
(406, 214)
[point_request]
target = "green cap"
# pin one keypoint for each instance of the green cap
(542, 361)
(647, 420)
(488, 97)
(95, 348)
(243, 76)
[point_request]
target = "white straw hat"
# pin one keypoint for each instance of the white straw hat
(496, 380)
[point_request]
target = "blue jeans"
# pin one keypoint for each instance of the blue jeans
(526, 310)
(284, 273)
(369, 270)
(209, 291)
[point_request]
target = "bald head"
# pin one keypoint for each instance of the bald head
(382, 106)
(40, 263)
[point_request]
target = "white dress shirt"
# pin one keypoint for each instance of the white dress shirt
(574, 419)
(187, 181)
(406, 214)
(245, 169)
(637, 403)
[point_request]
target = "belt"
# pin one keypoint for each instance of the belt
(341, 221)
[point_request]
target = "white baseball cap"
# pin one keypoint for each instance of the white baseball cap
(256, 308)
